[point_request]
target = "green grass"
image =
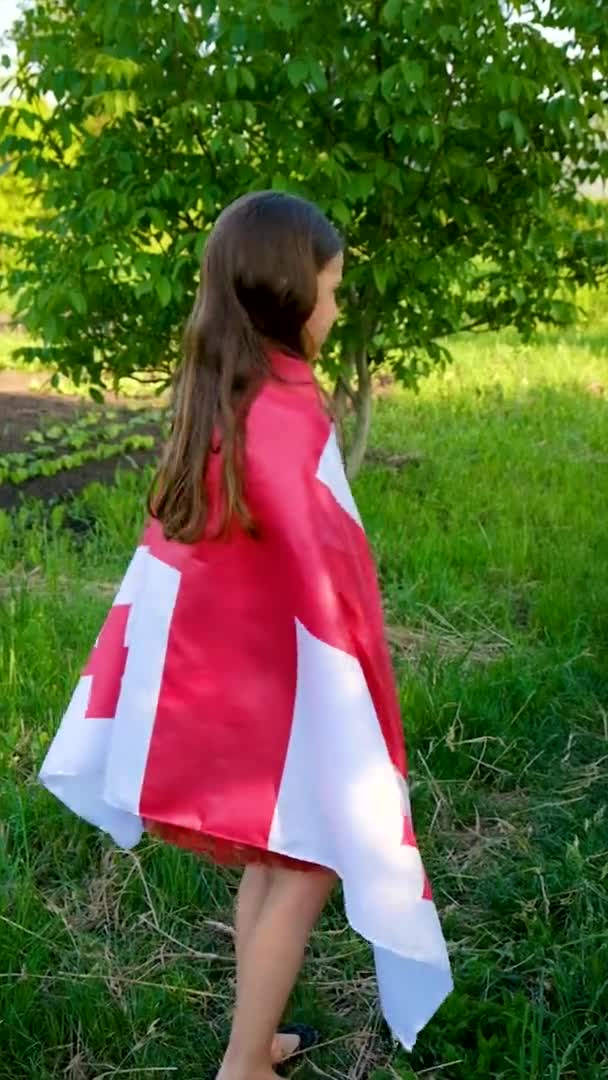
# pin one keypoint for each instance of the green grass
(493, 554)
(10, 341)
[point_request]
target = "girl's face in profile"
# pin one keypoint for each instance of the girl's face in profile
(326, 309)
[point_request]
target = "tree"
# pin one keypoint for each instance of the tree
(446, 139)
(20, 211)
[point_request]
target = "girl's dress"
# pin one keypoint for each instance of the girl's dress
(239, 700)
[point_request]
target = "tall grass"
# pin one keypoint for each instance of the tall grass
(493, 556)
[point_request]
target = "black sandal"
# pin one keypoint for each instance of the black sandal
(307, 1035)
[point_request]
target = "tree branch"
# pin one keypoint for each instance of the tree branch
(343, 386)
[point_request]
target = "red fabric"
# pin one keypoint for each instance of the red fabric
(107, 660)
(226, 703)
(224, 852)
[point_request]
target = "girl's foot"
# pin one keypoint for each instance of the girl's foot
(227, 1073)
(284, 1047)
(289, 1040)
(292, 1039)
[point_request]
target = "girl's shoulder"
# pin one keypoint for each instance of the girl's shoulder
(290, 394)
(288, 415)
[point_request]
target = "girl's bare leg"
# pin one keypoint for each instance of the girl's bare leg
(252, 894)
(269, 961)
(253, 891)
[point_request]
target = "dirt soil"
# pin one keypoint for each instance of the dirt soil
(22, 409)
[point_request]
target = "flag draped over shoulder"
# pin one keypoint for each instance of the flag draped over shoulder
(243, 688)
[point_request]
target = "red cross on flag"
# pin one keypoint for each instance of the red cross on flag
(244, 690)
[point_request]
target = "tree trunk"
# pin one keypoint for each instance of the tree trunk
(342, 395)
(363, 415)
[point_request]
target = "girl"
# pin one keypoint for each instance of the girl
(239, 700)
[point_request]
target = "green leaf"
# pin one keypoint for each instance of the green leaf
(362, 117)
(138, 442)
(231, 82)
(297, 71)
(391, 11)
(562, 311)
(508, 118)
(283, 15)
(163, 290)
(340, 212)
(143, 288)
(360, 186)
(96, 395)
(519, 130)
(382, 116)
(413, 72)
(107, 254)
(389, 80)
(248, 78)
(459, 157)
(158, 219)
(380, 272)
(77, 441)
(451, 34)
(78, 301)
(317, 75)
(391, 175)
(241, 146)
(542, 200)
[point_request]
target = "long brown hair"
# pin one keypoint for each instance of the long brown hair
(258, 288)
